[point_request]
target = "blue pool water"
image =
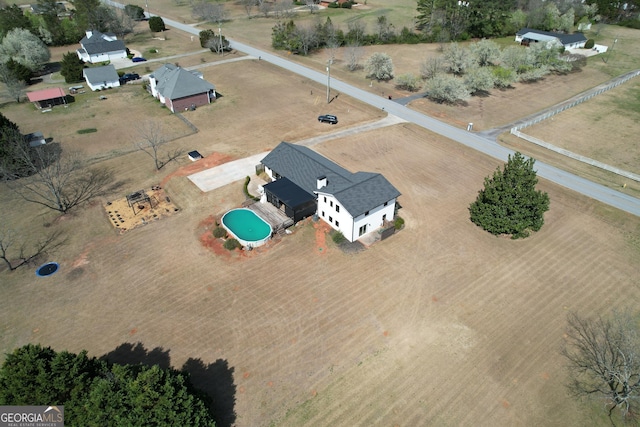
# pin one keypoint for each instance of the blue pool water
(247, 227)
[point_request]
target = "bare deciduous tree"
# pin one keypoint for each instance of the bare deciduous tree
(265, 7)
(353, 54)
(16, 252)
(248, 6)
(58, 181)
(431, 67)
(210, 12)
(283, 9)
(153, 138)
(604, 359)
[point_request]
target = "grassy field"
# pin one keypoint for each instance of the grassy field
(442, 324)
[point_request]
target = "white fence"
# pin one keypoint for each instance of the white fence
(516, 129)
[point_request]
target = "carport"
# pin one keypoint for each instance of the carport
(47, 98)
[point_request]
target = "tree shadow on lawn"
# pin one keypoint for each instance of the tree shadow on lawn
(213, 381)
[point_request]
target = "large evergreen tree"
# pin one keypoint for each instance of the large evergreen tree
(509, 202)
(71, 68)
(96, 392)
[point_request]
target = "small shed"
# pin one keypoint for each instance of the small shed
(47, 98)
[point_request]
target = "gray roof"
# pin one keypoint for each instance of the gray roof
(564, 38)
(106, 73)
(357, 192)
(97, 44)
(174, 82)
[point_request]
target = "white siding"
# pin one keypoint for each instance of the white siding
(373, 221)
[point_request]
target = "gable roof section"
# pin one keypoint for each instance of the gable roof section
(106, 73)
(547, 35)
(98, 44)
(357, 192)
(43, 95)
(174, 82)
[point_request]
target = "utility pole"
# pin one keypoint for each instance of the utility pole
(610, 50)
(328, 81)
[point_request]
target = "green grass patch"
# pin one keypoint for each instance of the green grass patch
(87, 130)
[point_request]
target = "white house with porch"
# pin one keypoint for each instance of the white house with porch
(96, 47)
(305, 183)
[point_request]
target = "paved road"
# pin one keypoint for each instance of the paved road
(478, 142)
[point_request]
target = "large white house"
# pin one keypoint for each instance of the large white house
(96, 47)
(306, 183)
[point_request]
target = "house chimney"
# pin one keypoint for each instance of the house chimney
(89, 33)
(321, 182)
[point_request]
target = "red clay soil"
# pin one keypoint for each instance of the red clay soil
(212, 160)
(322, 229)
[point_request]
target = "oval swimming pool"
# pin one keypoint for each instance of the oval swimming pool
(246, 227)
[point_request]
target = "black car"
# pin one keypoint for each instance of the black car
(328, 118)
(129, 77)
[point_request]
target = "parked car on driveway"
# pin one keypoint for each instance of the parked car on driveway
(129, 77)
(328, 118)
(138, 59)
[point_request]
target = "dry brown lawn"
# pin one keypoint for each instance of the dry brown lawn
(442, 324)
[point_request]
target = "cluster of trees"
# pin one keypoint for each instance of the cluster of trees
(96, 392)
(446, 20)
(305, 39)
(215, 42)
(461, 72)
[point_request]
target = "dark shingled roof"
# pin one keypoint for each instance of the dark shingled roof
(289, 193)
(357, 192)
(174, 82)
(564, 38)
(97, 44)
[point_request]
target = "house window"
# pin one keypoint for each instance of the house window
(322, 213)
(362, 230)
(330, 219)
(337, 208)
(337, 223)
(366, 213)
(386, 203)
(384, 217)
(325, 199)
(331, 203)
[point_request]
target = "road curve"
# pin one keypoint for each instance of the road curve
(478, 142)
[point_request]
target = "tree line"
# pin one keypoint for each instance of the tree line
(96, 392)
(447, 20)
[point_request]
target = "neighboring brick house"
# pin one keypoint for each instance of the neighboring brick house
(180, 89)
(96, 47)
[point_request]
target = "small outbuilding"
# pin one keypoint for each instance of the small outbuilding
(99, 78)
(47, 98)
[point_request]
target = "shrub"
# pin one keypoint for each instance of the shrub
(88, 130)
(231, 244)
(333, 5)
(338, 237)
(247, 180)
(346, 5)
(589, 44)
(408, 82)
(219, 232)
(398, 223)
